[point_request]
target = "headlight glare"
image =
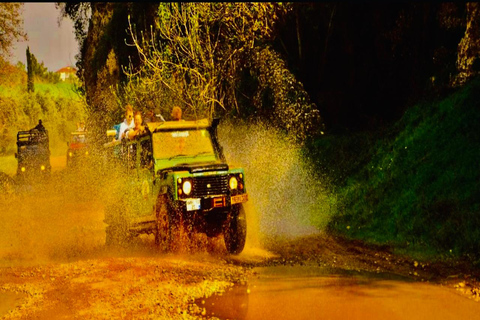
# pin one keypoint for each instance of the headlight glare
(233, 183)
(187, 187)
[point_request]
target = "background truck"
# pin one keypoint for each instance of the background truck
(78, 151)
(33, 155)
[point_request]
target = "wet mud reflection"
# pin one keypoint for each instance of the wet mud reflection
(9, 300)
(232, 304)
(319, 293)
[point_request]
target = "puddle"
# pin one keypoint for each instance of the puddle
(232, 304)
(302, 292)
(9, 301)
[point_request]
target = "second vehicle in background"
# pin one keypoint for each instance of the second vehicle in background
(78, 149)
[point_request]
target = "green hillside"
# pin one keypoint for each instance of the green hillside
(415, 186)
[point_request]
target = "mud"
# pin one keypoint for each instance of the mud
(9, 301)
(303, 292)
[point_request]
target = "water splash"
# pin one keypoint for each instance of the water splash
(286, 196)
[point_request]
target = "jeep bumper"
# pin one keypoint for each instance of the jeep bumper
(207, 204)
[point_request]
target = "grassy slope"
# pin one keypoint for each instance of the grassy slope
(416, 187)
(57, 90)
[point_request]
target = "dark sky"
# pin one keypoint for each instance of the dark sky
(53, 44)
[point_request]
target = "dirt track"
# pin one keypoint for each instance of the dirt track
(142, 283)
(54, 265)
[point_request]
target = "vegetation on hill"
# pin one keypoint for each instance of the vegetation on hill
(415, 185)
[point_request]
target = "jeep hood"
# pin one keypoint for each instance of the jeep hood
(198, 167)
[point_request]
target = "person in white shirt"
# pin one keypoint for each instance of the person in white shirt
(127, 124)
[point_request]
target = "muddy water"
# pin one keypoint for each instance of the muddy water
(59, 219)
(8, 301)
(317, 293)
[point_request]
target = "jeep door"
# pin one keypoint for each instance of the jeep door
(142, 169)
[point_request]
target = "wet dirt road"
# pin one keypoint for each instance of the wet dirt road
(315, 293)
(142, 283)
(54, 265)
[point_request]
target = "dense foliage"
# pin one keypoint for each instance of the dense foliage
(415, 186)
(358, 66)
(11, 27)
(205, 57)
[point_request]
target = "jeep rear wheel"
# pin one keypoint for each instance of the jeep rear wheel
(235, 230)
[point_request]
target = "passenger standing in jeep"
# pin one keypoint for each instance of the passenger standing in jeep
(127, 123)
(138, 128)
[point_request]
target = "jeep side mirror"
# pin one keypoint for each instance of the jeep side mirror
(68, 144)
(16, 155)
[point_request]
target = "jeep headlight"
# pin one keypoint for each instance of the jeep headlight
(86, 153)
(187, 187)
(42, 167)
(70, 154)
(23, 169)
(233, 183)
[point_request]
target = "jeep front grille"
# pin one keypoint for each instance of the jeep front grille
(210, 185)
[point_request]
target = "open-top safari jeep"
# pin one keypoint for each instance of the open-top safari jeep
(176, 177)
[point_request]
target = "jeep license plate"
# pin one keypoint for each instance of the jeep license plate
(193, 204)
(239, 198)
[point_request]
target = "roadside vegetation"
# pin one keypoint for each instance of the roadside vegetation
(415, 185)
(58, 104)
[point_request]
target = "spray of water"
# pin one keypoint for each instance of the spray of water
(63, 218)
(286, 196)
(56, 219)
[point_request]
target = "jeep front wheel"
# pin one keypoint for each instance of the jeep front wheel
(162, 232)
(235, 230)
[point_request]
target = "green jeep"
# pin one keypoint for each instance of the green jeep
(176, 178)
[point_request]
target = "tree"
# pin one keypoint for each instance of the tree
(11, 26)
(199, 53)
(30, 85)
(80, 13)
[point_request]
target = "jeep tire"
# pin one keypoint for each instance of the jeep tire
(235, 230)
(163, 229)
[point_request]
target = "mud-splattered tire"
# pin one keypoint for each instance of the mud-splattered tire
(163, 230)
(235, 230)
(179, 239)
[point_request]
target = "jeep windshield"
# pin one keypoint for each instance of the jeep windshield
(78, 138)
(185, 143)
